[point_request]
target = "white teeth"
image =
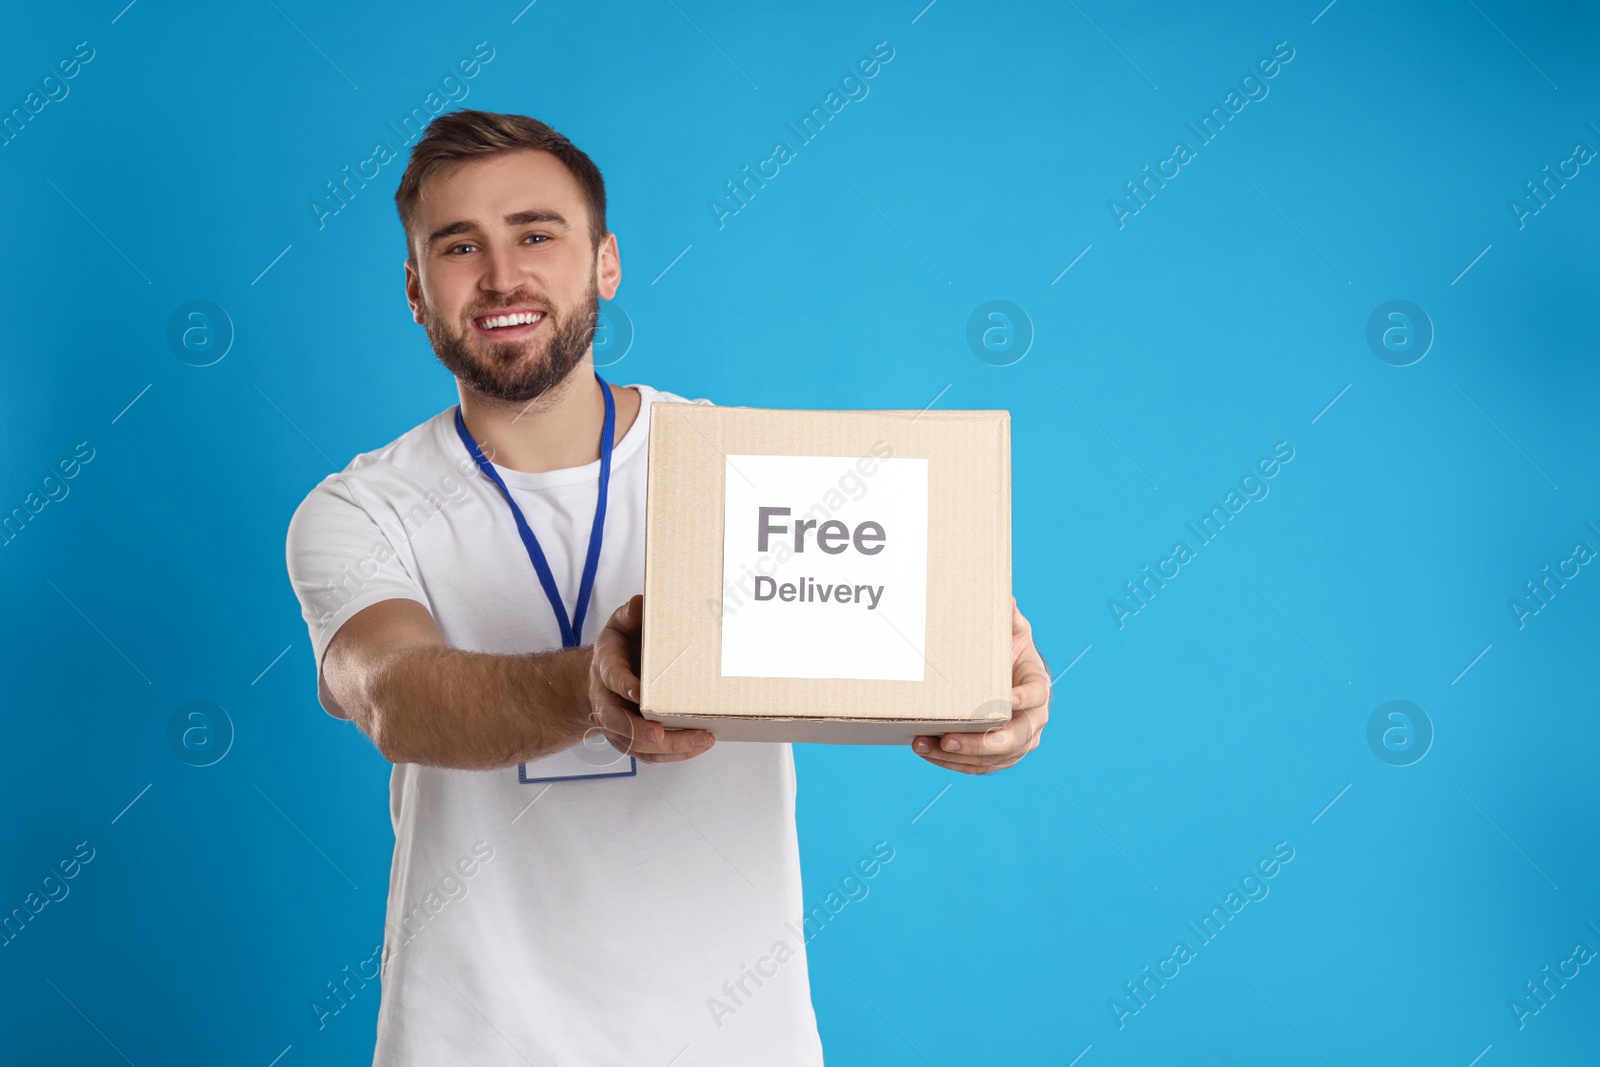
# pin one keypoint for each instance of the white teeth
(521, 318)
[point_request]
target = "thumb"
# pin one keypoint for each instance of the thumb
(635, 606)
(629, 618)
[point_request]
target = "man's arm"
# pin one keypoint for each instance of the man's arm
(420, 701)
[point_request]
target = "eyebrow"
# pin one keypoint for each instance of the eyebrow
(516, 218)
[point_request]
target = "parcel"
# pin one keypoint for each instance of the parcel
(831, 576)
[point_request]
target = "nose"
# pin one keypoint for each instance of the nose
(505, 270)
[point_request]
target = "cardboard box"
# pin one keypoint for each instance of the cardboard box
(827, 576)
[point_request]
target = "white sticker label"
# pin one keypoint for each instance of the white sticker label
(825, 567)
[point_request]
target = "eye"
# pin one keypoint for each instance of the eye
(536, 236)
(461, 248)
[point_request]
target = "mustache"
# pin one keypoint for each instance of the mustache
(510, 300)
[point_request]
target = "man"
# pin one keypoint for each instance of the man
(550, 901)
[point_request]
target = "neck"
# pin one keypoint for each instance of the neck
(558, 429)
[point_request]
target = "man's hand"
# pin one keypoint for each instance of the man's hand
(1004, 745)
(614, 695)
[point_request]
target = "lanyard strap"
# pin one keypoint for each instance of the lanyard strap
(571, 632)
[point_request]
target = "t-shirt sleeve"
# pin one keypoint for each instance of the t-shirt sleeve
(661, 396)
(341, 560)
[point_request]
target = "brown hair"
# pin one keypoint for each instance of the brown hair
(461, 136)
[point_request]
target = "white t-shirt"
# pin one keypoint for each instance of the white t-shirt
(627, 919)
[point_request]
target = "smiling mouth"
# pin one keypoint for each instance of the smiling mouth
(508, 325)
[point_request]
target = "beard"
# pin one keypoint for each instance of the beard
(516, 371)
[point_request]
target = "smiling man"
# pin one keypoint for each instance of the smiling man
(471, 590)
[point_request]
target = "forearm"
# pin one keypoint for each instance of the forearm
(447, 707)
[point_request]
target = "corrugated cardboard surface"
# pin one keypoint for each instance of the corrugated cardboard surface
(967, 684)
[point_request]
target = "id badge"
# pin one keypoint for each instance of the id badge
(593, 757)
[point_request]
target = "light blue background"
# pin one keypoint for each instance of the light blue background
(1221, 319)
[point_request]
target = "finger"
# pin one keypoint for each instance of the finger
(629, 618)
(1019, 737)
(678, 744)
(614, 723)
(1036, 718)
(1030, 680)
(1019, 622)
(673, 757)
(615, 646)
(933, 748)
(1009, 739)
(1030, 690)
(614, 701)
(937, 759)
(999, 745)
(612, 663)
(627, 622)
(632, 733)
(667, 757)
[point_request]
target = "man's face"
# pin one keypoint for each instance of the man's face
(504, 275)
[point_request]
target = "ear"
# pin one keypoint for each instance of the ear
(414, 292)
(608, 267)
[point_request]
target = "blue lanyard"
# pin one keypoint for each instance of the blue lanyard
(571, 632)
